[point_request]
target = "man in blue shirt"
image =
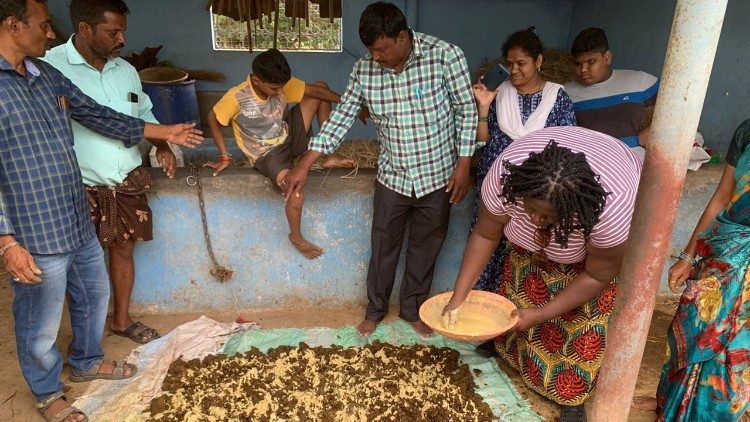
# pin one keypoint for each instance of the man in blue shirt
(47, 241)
(115, 181)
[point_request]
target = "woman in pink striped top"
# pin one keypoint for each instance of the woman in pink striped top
(563, 197)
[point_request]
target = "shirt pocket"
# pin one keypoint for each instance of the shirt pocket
(427, 102)
(124, 107)
(61, 117)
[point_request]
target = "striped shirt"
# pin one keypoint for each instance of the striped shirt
(425, 115)
(619, 170)
(615, 106)
(42, 200)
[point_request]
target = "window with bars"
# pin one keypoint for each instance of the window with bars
(321, 35)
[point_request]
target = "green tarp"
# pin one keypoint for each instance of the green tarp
(496, 388)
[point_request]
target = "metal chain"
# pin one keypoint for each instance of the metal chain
(219, 272)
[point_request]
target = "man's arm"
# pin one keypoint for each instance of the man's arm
(324, 93)
(6, 227)
(330, 137)
(130, 130)
(224, 158)
(460, 93)
(164, 155)
(17, 261)
(321, 92)
(458, 82)
(644, 133)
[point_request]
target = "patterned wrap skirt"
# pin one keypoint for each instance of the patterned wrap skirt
(121, 212)
(560, 358)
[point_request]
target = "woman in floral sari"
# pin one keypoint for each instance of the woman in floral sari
(707, 372)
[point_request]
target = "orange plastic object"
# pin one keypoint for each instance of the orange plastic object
(483, 316)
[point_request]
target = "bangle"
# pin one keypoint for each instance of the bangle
(225, 157)
(690, 259)
(8, 246)
(483, 119)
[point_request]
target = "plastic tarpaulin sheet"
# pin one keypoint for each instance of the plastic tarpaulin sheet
(492, 383)
(124, 400)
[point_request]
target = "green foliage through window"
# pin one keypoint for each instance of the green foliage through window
(321, 35)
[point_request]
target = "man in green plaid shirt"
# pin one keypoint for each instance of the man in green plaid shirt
(418, 91)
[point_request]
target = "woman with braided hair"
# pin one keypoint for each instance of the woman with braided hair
(563, 197)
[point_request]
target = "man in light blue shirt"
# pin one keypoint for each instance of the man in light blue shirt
(115, 182)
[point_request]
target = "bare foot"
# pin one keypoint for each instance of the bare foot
(337, 161)
(59, 405)
(309, 250)
(644, 403)
(421, 328)
(366, 327)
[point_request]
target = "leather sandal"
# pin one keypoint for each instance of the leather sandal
(61, 415)
(118, 372)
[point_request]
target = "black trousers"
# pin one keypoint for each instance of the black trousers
(427, 218)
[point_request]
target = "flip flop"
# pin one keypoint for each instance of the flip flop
(138, 332)
(118, 373)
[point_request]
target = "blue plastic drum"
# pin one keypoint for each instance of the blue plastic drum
(174, 97)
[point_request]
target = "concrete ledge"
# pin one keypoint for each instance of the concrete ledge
(249, 234)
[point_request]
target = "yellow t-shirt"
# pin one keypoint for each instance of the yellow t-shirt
(258, 124)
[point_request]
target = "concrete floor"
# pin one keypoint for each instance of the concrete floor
(17, 403)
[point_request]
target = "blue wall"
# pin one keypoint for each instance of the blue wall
(249, 235)
(477, 26)
(638, 32)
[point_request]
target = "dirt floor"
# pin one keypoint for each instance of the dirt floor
(17, 403)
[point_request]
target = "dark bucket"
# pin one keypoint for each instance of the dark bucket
(173, 96)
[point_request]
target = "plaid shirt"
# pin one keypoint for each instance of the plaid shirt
(42, 200)
(425, 115)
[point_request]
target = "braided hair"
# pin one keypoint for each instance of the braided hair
(564, 179)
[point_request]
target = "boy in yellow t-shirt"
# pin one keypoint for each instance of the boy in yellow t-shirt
(268, 134)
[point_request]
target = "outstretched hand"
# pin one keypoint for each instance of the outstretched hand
(185, 134)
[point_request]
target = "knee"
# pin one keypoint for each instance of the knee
(295, 202)
(321, 83)
(123, 250)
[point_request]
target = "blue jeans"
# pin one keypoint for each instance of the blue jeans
(37, 310)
